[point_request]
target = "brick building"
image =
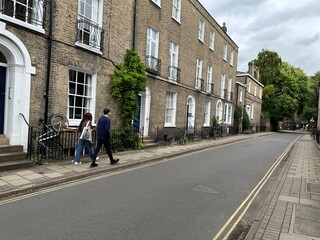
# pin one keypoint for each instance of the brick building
(249, 91)
(57, 56)
(191, 64)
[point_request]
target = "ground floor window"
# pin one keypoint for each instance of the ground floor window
(227, 113)
(80, 94)
(206, 117)
(170, 114)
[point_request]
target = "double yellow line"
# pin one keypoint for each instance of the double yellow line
(248, 201)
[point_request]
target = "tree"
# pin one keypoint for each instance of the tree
(269, 64)
(127, 81)
(284, 95)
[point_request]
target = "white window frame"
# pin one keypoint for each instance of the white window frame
(241, 95)
(222, 85)
(260, 93)
(225, 51)
(87, 99)
(249, 86)
(158, 2)
(252, 110)
(211, 40)
(219, 111)
(255, 90)
(95, 17)
(201, 30)
(198, 74)
(33, 25)
(248, 109)
(231, 57)
(170, 112)
(207, 113)
(176, 10)
(174, 59)
(209, 78)
(152, 46)
(227, 113)
(229, 88)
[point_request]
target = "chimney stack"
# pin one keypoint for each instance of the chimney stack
(224, 27)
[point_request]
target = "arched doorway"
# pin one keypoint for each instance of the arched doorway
(15, 80)
(190, 114)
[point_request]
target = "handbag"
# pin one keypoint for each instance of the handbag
(85, 133)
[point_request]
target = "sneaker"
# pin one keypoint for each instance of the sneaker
(114, 161)
(92, 165)
(77, 163)
(97, 158)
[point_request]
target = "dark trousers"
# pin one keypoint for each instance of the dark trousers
(106, 143)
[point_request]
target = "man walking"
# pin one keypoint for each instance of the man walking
(103, 137)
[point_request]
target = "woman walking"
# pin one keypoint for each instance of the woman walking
(85, 127)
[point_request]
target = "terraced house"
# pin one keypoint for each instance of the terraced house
(57, 56)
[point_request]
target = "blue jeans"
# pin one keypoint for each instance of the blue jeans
(84, 143)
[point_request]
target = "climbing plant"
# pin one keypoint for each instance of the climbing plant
(127, 81)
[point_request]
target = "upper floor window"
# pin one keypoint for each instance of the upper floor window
(152, 61)
(199, 80)
(80, 100)
(231, 57)
(170, 114)
(29, 12)
(211, 40)
(255, 90)
(222, 85)
(241, 95)
(173, 67)
(249, 86)
(158, 2)
(90, 33)
(230, 93)
(209, 79)
(201, 30)
(176, 10)
(260, 95)
(206, 117)
(225, 49)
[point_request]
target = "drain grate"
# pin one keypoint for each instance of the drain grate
(313, 187)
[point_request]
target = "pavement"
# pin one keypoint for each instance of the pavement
(290, 212)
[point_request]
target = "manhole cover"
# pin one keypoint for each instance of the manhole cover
(203, 188)
(313, 187)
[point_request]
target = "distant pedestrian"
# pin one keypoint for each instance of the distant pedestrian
(103, 137)
(85, 139)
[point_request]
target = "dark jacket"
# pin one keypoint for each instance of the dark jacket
(103, 128)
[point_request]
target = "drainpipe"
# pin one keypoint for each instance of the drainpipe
(134, 25)
(46, 95)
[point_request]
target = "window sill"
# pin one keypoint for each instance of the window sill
(89, 48)
(38, 29)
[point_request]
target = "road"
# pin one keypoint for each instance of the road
(189, 197)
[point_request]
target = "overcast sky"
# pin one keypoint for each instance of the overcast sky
(289, 27)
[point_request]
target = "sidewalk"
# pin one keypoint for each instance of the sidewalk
(291, 211)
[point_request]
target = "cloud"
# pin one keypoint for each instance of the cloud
(289, 27)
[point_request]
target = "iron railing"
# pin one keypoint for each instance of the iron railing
(174, 74)
(89, 33)
(199, 85)
(153, 65)
(210, 88)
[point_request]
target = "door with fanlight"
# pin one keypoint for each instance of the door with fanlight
(2, 96)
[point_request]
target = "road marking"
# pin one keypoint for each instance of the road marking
(251, 196)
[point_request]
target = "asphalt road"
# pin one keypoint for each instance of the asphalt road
(190, 197)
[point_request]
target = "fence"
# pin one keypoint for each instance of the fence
(68, 139)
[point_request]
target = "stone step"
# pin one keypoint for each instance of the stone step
(11, 148)
(4, 141)
(12, 156)
(13, 165)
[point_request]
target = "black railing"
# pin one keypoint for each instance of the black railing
(174, 74)
(89, 33)
(199, 86)
(69, 140)
(153, 65)
(210, 88)
(32, 13)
